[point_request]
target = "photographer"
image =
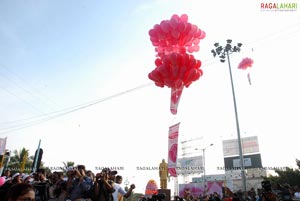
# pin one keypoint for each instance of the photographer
(79, 183)
(41, 184)
(267, 194)
(285, 194)
(104, 185)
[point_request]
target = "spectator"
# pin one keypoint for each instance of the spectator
(81, 184)
(16, 178)
(26, 178)
(297, 193)
(119, 192)
(41, 184)
(103, 185)
(7, 174)
(21, 191)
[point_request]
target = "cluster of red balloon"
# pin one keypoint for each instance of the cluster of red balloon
(176, 35)
(175, 70)
(245, 64)
(174, 40)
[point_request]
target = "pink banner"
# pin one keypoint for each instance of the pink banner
(196, 189)
(173, 142)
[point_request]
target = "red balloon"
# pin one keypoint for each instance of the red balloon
(197, 64)
(203, 34)
(174, 23)
(175, 34)
(188, 27)
(172, 40)
(158, 62)
(189, 76)
(190, 49)
(165, 27)
(175, 71)
(176, 17)
(153, 39)
(182, 71)
(181, 27)
(169, 82)
(184, 18)
(196, 48)
(152, 33)
(155, 76)
(163, 70)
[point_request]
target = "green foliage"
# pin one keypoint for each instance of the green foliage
(288, 176)
(16, 160)
(68, 164)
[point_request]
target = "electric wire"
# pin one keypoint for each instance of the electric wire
(62, 113)
(32, 91)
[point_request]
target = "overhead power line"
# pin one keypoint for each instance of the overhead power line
(60, 113)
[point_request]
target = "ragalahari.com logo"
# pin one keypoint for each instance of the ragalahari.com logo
(277, 6)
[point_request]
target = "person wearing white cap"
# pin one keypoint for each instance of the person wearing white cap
(16, 178)
(15, 175)
(26, 178)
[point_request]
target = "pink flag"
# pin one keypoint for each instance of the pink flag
(173, 142)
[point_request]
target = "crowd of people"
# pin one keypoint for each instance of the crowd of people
(266, 193)
(77, 184)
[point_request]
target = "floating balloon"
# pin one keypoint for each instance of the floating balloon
(176, 35)
(176, 68)
(246, 63)
(174, 41)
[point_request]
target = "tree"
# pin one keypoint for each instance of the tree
(288, 176)
(21, 161)
(68, 164)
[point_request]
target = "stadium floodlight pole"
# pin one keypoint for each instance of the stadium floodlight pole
(223, 53)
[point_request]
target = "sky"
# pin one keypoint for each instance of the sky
(74, 76)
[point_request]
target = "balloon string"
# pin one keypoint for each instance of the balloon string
(249, 78)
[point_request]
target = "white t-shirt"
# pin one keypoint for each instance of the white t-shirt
(118, 189)
(297, 194)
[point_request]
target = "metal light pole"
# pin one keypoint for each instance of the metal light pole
(126, 184)
(223, 53)
(204, 175)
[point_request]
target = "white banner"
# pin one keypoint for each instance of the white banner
(190, 165)
(249, 145)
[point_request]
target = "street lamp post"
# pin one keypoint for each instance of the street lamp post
(204, 174)
(223, 53)
(126, 184)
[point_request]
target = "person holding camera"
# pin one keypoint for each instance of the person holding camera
(79, 183)
(104, 185)
(267, 194)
